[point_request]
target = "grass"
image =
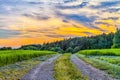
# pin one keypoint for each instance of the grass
(12, 56)
(107, 60)
(65, 70)
(112, 52)
(18, 70)
(111, 59)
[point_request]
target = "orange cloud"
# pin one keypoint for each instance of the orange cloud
(80, 30)
(35, 32)
(109, 25)
(15, 42)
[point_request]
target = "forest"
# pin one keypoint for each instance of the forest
(73, 45)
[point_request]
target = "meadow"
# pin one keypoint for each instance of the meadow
(107, 60)
(12, 56)
(109, 52)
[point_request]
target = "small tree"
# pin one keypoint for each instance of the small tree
(116, 39)
(76, 49)
(69, 50)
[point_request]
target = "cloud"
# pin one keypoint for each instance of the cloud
(36, 16)
(59, 36)
(8, 33)
(47, 20)
(83, 4)
(105, 4)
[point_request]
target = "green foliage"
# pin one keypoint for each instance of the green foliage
(6, 48)
(112, 52)
(31, 47)
(12, 56)
(65, 70)
(116, 39)
(73, 45)
(69, 50)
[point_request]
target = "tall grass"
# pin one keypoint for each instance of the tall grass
(12, 56)
(65, 70)
(110, 52)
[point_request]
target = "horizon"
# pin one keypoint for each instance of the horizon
(36, 22)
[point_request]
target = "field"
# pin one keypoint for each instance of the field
(109, 52)
(105, 59)
(65, 70)
(12, 56)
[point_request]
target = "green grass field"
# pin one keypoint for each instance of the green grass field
(12, 56)
(109, 52)
(104, 59)
(65, 70)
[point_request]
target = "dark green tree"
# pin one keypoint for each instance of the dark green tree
(6, 48)
(116, 39)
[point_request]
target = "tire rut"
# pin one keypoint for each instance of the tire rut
(44, 71)
(90, 71)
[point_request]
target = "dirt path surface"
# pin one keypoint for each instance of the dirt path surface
(88, 70)
(44, 71)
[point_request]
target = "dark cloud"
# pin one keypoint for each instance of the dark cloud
(105, 23)
(59, 36)
(111, 10)
(84, 20)
(35, 3)
(105, 4)
(88, 33)
(113, 18)
(79, 18)
(36, 16)
(72, 7)
(66, 21)
(9, 33)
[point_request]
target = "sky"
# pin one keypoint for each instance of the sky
(25, 22)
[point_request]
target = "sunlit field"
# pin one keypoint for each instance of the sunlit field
(110, 52)
(12, 56)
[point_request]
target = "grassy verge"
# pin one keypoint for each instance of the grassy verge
(113, 70)
(12, 56)
(109, 52)
(65, 70)
(19, 69)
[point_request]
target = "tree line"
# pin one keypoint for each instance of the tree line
(73, 45)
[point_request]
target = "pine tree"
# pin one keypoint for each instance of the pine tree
(116, 39)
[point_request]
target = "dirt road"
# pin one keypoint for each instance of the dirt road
(44, 71)
(90, 71)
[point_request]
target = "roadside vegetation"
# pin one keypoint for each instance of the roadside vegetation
(18, 70)
(107, 60)
(12, 56)
(97, 52)
(65, 70)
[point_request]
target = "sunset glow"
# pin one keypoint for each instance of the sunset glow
(37, 21)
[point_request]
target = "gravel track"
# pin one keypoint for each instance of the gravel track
(44, 71)
(88, 70)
